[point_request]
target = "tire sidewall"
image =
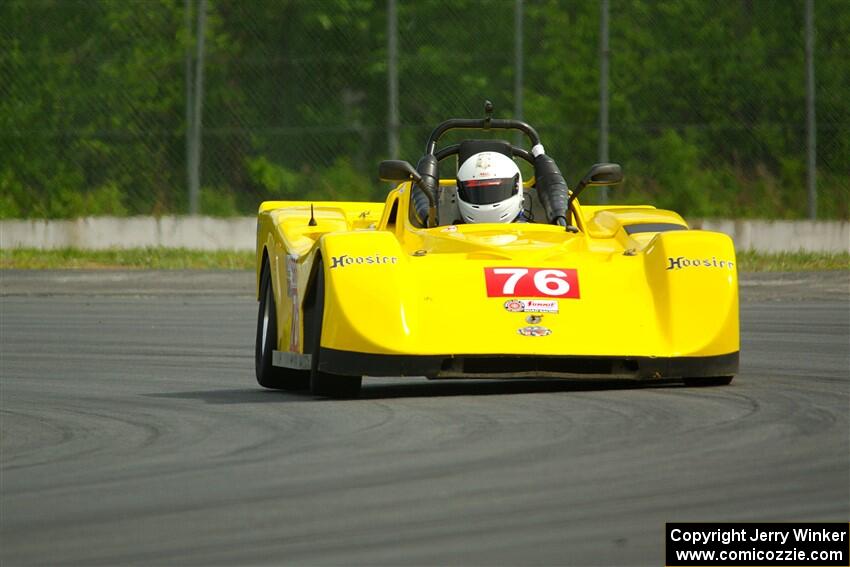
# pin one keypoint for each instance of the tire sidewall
(264, 349)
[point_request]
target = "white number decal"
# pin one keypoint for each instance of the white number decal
(551, 282)
(515, 275)
(532, 282)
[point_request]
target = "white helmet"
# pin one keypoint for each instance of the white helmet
(489, 188)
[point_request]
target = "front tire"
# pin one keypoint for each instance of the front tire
(323, 383)
(268, 375)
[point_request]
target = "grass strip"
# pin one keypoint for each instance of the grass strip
(183, 259)
(792, 261)
(137, 258)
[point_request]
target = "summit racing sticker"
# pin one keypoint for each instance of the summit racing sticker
(532, 305)
(682, 262)
(532, 282)
(346, 260)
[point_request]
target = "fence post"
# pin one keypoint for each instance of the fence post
(197, 121)
(392, 77)
(518, 63)
(811, 127)
(603, 90)
(188, 80)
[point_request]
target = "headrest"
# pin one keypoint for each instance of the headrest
(469, 148)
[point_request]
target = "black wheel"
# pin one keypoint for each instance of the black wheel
(322, 383)
(708, 381)
(268, 375)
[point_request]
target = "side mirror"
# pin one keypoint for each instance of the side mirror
(604, 174)
(397, 170)
(599, 175)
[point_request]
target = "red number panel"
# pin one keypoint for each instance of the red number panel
(532, 282)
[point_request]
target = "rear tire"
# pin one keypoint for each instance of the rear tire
(709, 381)
(323, 383)
(268, 375)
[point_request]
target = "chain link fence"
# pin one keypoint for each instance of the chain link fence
(707, 98)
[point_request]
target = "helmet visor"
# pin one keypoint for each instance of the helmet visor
(487, 191)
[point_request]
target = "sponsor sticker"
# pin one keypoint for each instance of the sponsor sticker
(346, 260)
(534, 331)
(532, 282)
(292, 292)
(532, 305)
(684, 262)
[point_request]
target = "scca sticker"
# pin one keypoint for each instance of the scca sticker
(532, 282)
(346, 260)
(534, 331)
(532, 305)
(682, 262)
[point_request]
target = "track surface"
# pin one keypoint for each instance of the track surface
(133, 432)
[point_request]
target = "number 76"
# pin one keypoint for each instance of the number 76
(531, 282)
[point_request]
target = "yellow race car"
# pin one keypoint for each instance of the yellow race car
(415, 286)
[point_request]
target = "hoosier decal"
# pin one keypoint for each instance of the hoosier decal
(346, 260)
(682, 262)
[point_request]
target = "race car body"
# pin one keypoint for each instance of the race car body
(368, 289)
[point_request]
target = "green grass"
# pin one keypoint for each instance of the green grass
(139, 258)
(182, 259)
(793, 261)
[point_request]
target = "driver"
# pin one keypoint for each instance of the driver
(489, 189)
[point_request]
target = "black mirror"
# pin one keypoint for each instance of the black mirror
(396, 170)
(604, 174)
(599, 175)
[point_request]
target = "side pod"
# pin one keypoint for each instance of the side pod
(370, 298)
(694, 280)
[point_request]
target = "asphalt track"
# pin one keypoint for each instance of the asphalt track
(133, 432)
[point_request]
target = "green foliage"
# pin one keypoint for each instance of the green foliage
(218, 202)
(707, 99)
(277, 181)
(339, 181)
(684, 186)
(106, 200)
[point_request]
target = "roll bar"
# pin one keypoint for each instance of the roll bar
(428, 166)
(479, 124)
(443, 153)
